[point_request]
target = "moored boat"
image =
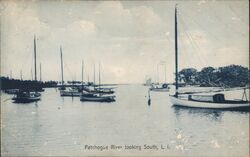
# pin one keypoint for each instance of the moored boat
(30, 95)
(62, 87)
(159, 88)
(26, 97)
(96, 97)
(215, 101)
(103, 90)
(11, 91)
(97, 94)
(70, 92)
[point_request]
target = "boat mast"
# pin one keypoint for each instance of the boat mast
(165, 69)
(31, 72)
(21, 74)
(99, 76)
(94, 76)
(61, 64)
(176, 56)
(88, 77)
(10, 73)
(35, 55)
(40, 72)
(82, 71)
(158, 79)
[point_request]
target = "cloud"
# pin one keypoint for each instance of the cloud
(223, 56)
(115, 20)
(19, 24)
(128, 38)
(82, 26)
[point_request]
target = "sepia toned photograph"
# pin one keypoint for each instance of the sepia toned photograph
(124, 78)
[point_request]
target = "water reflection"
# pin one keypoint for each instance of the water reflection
(36, 104)
(212, 114)
(44, 127)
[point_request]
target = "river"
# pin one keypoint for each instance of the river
(65, 126)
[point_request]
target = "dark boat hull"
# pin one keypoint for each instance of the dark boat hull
(25, 100)
(97, 98)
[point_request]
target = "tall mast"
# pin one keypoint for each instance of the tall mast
(88, 77)
(99, 75)
(165, 69)
(31, 74)
(61, 63)
(40, 72)
(82, 71)
(21, 74)
(158, 79)
(94, 75)
(176, 55)
(35, 55)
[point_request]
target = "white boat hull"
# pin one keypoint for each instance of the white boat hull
(69, 93)
(211, 105)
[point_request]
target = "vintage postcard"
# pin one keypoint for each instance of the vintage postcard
(124, 78)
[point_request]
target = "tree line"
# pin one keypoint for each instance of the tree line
(227, 76)
(8, 83)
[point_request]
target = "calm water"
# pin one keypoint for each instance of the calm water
(63, 126)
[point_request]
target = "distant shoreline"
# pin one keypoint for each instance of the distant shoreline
(227, 77)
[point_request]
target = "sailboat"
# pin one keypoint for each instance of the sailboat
(103, 90)
(93, 88)
(160, 87)
(40, 89)
(216, 101)
(66, 91)
(96, 95)
(28, 95)
(62, 87)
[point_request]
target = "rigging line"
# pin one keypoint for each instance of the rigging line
(222, 85)
(193, 43)
(225, 25)
(32, 60)
(184, 47)
(209, 82)
(203, 28)
(237, 15)
(196, 48)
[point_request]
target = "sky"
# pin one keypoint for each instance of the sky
(129, 39)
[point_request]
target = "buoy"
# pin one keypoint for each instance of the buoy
(149, 100)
